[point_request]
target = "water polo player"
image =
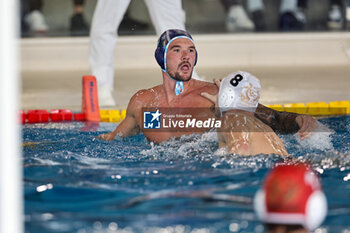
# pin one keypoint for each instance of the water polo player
(176, 54)
(241, 132)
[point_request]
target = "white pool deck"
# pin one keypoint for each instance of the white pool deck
(292, 67)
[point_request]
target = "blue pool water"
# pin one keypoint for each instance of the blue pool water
(75, 183)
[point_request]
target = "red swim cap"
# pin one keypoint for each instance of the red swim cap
(291, 194)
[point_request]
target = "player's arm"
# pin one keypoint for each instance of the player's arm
(236, 134)
(237, 143)
(129, 126)
(286, 122)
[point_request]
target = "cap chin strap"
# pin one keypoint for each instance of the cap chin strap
(179, 86)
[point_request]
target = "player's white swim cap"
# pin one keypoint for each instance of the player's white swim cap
(291, 194)
(239, 90)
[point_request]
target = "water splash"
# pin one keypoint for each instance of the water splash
(320, 139)
(93, 179)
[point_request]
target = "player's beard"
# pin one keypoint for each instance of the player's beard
(178, 77)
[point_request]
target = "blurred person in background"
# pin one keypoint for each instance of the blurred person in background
(292, 15)
(291, 199)
(336, 11)
(335, 15)
(78, 25)
(35, 19)
(291, 18)
(348, 12)
(165, 14)
(237, 19)
(24, 8)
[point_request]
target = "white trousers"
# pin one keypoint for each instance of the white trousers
(165, 14)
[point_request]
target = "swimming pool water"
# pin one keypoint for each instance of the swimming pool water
(76, 183)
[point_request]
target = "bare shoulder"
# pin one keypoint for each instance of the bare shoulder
(204, 86)
(142, 97)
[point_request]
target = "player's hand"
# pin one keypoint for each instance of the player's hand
(106, 136)
(212, 98)
(307, 125)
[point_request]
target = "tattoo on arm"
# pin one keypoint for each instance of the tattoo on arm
(280, 122)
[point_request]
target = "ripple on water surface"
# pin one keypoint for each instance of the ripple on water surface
(75, 183)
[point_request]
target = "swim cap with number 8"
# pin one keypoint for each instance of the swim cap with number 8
(239, 90)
